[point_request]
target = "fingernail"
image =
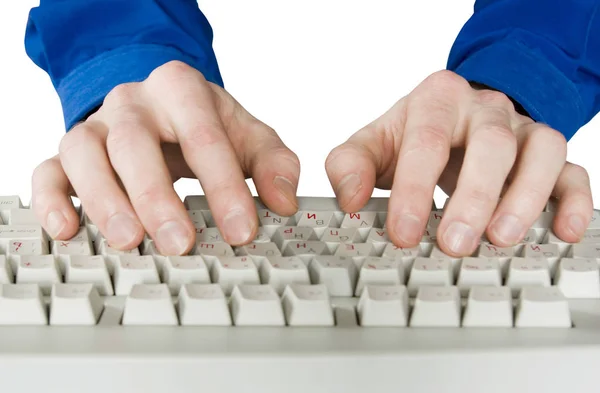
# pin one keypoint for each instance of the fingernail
(576, 225)
(172, 238)
(55, 222)
(237, 227)
(460, 238)
(121, 230)
(408, 228)
(508, 229)
(348, 188)
(286, 187)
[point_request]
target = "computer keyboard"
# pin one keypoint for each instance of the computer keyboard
(320, 301)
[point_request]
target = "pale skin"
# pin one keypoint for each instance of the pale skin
(121, 163)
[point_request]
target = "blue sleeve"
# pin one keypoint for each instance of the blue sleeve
(88, 47)
(543, 54)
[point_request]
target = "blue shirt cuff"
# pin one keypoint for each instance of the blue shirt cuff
(84, 88)
(530, 79)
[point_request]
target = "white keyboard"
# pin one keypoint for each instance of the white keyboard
(321, 301)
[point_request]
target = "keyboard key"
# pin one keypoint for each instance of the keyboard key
(542, 307)
(80, 244)
(149, 304)
(259, 252)
(256, 305)
(502, 254)
(203, 305)
(22, 217)
(231, 271)
(317, 220)
(333, 237)
(489, 306)
(429, 272)
(379, 271)
(210, 252)
(89, 269)
(549, 252)
(279, 272)
(435, 218)
(379, 238)
(132, 270)
(7, 203)
(383, 305)
(112, 255)
(306, 250)
(180, 270)
(271, 221)
(478, 271)
(41, 270)
(75, 304)
(307, 305)
(436, 252)
(284, 235)
(209, 235)
(578, 278)
(6, 274)
(22, 304)
(359, 250)
(338, 274)
(406, 255)
(25, 247)
(525, 272)
(197, 219)
(585, 251)
(436, 306)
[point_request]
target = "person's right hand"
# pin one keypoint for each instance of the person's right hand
(122, 161)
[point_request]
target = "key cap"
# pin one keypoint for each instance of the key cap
(22, 304)
(383, 305)
(578, 278)
(406, 255)
(262, 236)
(549, 252)
(211, 251)
(317, 220)
(379, 238)
(180, 270)
(22, 217)
(203, 305)
(6, 274)
(489, 306)
(307, 305)
(542, 224)
(80, 244)
(333, 237)
(595, 220)
(89, 225)
(197, 219)
(25, 247)
(338, 274)
(530, 237)
(542, 307)
(209, 235)
(279, 272)
(502, 254)
(363, 221)
(478, 271)
(585, 251)
(7, 203)
(427, 242)
(524, 272)
(377, 271)
(75, 304)
(271, 221)
(258, 252)
(435, 218)
(455, 263)
(284, 235)
(306, 250)
(429, 271)
(41, 270)
(149, 304)
(89, 269)
(359, 250)
(159, 259)
(436, 306)
(112, 255)
(232, 271)
(132, 270)
(256, 305)
(563, 247)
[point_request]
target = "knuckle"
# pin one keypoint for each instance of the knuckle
(494, 98)
(578, 172)
(498, 136)
(550, 138)
(203, 135)
(122, 94)
(123, 135)
(447, 80)
(172, 71)
(432, 138)
(480, 200)
(150, 195)
(76, 138)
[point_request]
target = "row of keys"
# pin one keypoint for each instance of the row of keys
(576, 278)
(300, 305)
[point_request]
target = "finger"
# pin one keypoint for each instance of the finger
(135, 153)
(194, 120)
(274, 168)
(428, 134)
(85, 162)
(491, 149)
(51, 202)
(541, 160)
(575, 203)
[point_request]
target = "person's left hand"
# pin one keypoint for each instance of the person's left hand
(499, 167)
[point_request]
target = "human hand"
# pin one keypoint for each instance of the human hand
(477, 148)
(121, 163)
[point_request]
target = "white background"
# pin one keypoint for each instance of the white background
(316, 71)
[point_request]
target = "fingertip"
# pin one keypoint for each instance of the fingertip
(406, 231)
(239, 227)
(123, 232)
(61, 224)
